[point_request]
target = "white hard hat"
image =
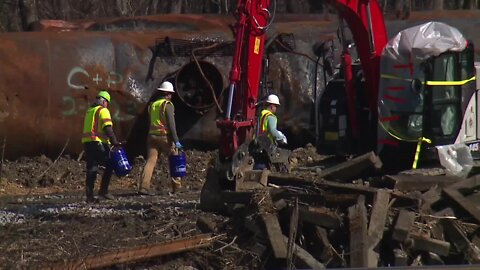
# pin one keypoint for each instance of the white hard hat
(167, 87)
(273, 99)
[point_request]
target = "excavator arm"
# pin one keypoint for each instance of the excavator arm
(239, 120)
(238, 124)
(365, 20)
(367, 25)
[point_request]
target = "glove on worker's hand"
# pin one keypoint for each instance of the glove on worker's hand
(283, 139)
(178, 145)
(116, 145)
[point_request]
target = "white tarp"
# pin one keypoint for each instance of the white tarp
(423, 41)
(400, 104)
(456, 159)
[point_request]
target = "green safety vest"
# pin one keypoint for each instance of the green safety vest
(96, 119)
(264, 123)
(158, 118)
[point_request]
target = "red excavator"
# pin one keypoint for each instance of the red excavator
(352, 108)
(404, 97)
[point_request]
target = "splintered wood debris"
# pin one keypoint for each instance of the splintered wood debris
(344, 220)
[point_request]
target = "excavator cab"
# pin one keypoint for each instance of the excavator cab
(445, 104)
(427, 97)
(427, 94)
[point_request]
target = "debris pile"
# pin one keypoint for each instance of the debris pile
(335, 217)
(327, 212)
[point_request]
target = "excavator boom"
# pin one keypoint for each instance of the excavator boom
(239, 120)
(367, 25)
(365, 20)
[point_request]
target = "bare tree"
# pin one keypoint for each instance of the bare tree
(224, 6)
(176, 6)
(123, 6)
(466, 4)
(152, 7)
(472, 4)
(438, 5)
(65, 10)
(9, 16)
(28, 13)
(298, 6)
(17, 15)
(399, 4)
(281, 6)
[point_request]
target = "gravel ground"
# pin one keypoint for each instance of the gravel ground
(44, 219)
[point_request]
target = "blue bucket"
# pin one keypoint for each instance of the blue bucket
(119, 161)
(178, 165)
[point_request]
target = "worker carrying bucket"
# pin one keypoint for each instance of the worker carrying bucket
(162, 138)
(97, 138)
(119, 161)
(178, 164)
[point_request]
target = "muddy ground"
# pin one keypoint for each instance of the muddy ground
(44, 219)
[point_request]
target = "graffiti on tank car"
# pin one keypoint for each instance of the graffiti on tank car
(112, 78)
(116, 111)
(75, 107)
(73, 72)
(78, 106)
(71, 103)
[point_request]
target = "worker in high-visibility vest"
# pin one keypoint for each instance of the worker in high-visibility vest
(268, 121)
(267, 126)
(97, 138)
(162, 136)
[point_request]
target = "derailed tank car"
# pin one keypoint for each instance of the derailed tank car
(49, 77)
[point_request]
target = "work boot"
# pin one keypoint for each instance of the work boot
(106, 196)
(89, 193)
(176, 185)
(91, 199)
(147, 192)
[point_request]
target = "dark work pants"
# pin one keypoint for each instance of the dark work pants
(96, 154)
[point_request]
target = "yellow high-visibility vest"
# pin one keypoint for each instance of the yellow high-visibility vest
(96, 119)
(264, 123)
(158, 117)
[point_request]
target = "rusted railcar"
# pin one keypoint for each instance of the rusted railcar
(51, 75)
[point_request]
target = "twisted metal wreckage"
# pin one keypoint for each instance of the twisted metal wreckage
(50, 76)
